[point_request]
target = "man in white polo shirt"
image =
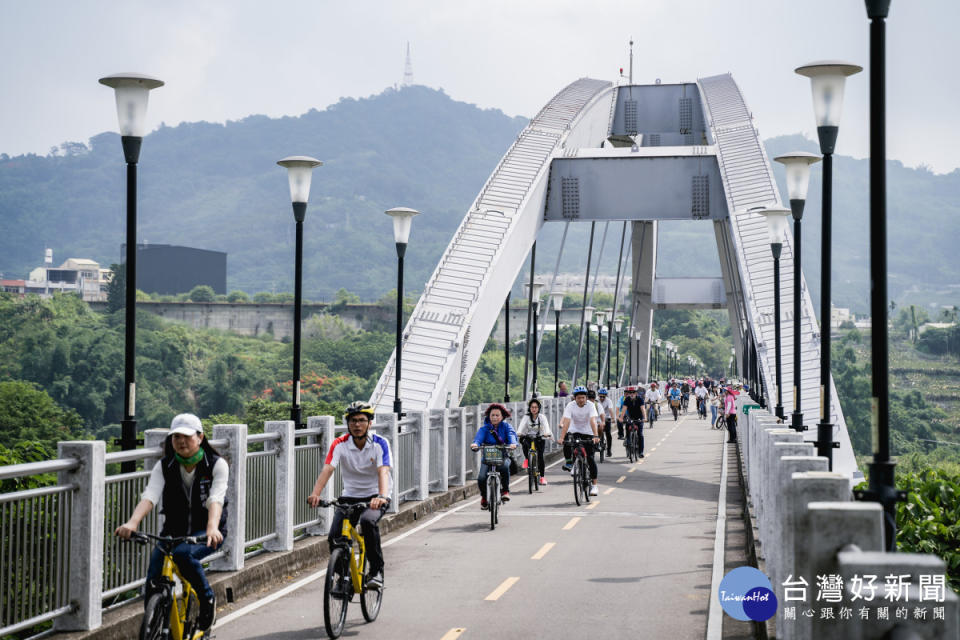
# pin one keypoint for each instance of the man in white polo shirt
(364, 460)
(580, 419)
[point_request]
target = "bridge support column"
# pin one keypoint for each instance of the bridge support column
(236, 454)
(86, 534)
(388, 428)
(325, 424)
(644, 252)
(286, 483)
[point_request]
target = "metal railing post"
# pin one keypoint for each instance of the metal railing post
(387, 425)
(86, 533)
(461, 445)
(236, 455)
(154, 438)
(444, 453)
(422, 455)
(286, 483)
(326, 425)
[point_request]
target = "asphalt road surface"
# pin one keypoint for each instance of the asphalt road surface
(636, 562)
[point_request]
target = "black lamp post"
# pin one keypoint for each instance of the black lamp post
(532, 340)
(506, 349)
(556, 299)
(132, 93)
(609, 317)
(600, 316)
(402, 221)
(827, 81)
(587, 318)
(733, 356)
(299, 171)
(618, 325)
(882, 487)
(631, 375)
(776, 227)
(657, 342)
(798, 180)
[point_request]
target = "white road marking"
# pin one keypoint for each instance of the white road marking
(715, 615)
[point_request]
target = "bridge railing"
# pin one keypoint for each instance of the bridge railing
(60, 561)
(810, 530)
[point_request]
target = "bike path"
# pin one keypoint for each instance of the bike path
(637, 559)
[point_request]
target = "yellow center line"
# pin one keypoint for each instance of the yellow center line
(631, 469)
(453, 634)
(608, 491)
(502, 589)
(543, 551)
(570, 525)
(593, 505)
(652, 450)
(621, 479)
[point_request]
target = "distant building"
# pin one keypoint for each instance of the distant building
(839, 315)
(79, 275)
(14, 286)
(169, 269)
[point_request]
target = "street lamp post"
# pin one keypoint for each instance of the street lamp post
(618, 325)
(532, 340)
(631, 376)
(402, 221)
(609, 337)
(798, 180)
(600, 316)
(556, 299)
(299, 173)
(506, 349)
(657, 342)
(827, 81)
(733, 355)
(132, 93)
(587, 318)
(776, 227)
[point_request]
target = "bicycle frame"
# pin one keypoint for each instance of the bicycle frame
(170, 571)
(349, 532)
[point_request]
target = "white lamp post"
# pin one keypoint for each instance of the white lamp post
(556, 299)
(776, 228)
(534, 293)
(402, 221)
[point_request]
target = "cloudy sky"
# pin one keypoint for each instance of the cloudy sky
(225, 60)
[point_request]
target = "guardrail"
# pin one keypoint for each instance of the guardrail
(60, 561)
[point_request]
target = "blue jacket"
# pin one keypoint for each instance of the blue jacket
(504, 430)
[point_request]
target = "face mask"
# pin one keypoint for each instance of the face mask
(194, 459)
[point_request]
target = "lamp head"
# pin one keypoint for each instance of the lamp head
(556, 299)
(299, 172)
(827, 80)
(132, 91)
(618, 324)
(588, 313)
(776, 223)
(402, 221)
(798, 174)
(658, 342)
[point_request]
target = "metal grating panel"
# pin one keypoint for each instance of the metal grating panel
(700, 197)
(654, 139)
(686, 115)
(570, 196)
(630, 116)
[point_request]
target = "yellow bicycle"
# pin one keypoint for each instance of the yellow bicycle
(346, 569)
(171, 612)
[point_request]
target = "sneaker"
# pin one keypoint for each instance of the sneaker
(505, 496)
(619, 437)
(593, 490)
(208, 614)
(567, 466)
(525, 463)
(374, 582)
(484, 504)
(641, 455)
(543, 481)
(609, 452)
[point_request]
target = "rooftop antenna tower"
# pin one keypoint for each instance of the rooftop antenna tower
(407, 69)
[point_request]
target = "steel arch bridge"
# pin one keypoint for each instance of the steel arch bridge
(634, 153)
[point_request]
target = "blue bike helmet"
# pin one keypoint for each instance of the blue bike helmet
(602, 391)
(579, 389)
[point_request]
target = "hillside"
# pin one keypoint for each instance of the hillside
(218, 187)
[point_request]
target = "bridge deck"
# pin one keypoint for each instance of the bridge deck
(639, 559)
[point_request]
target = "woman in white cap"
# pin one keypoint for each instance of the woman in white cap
(191, 480)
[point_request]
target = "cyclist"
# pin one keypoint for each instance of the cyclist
(534, 428)
(607, 415)
(653, 397)
(191, 479)
(674, 396)
(634, 409)
(685, 390)
(364, 460)
(495, 430)
(580, 418)
(701, 393)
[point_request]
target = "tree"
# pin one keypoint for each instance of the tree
(238, 296)
(202, 293)
(28, 413)
(116, 288)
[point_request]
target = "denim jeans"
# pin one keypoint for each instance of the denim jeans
(504, 470)
(188, 559)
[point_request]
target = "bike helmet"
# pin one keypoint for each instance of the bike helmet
(630, 389)
(358, 407)
(602, 391)
(591, 394)
(579, 389)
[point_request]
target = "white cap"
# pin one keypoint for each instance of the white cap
(186, 424)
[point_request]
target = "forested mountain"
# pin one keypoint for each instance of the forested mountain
(217, 187)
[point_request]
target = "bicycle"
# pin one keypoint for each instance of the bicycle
(686, 402)
(633, 439)
(492, 455)
(652, 413)
(602, 445)
(533, 466)
(346, 569)
(171, 610)
(581, 479)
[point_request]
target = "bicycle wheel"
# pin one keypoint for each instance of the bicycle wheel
(577, 487)
(584, 482)
(603, 447)
(493, 497)
(629, 446)
(336, 592)
(532, 472)
(156, 617)
(370, 599)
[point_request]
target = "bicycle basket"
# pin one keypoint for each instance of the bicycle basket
(493, 456)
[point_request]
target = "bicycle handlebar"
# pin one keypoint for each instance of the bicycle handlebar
(144, 538)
